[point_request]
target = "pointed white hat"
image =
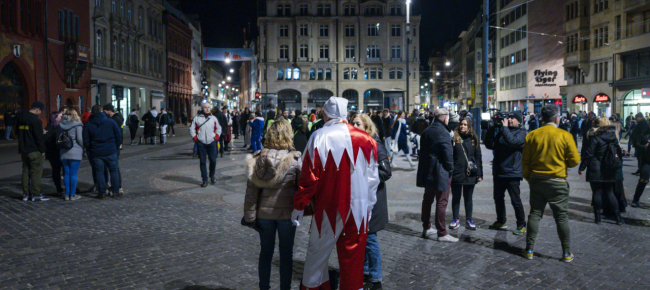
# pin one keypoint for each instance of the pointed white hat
(336, 107)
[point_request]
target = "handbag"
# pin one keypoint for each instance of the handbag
(472, 169)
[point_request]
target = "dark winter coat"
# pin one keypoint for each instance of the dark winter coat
(300, 140)
(223, 122)
(387, 122)
(150, 123)
(379, 123)
(296, 124)
(419, 126)
(599, 140)
(533, 123)
(134, 122)
(101, 136)
(402, 143)
(473, 152)
(436, 157)
(584, 128)
(30, 133)
(379, 217)
(52, 151)
(637, 134)
(508, 145)
(575, 126)
(119, 120)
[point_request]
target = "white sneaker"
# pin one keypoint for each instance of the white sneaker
(430, 233)
(447, 239)
(76, 197)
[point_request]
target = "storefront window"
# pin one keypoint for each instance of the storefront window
(121, 100)
(633, 102)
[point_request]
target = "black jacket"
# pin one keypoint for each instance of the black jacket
(436, 157)
(150, 123)
(599, 139)
(119, 120)
(379, 123)
(419, 126)
(52, 151)
(300, 141)
(585, 127)
(296, 124)
(508, 145)
(101, 136)
(10, 119)
(30, 133)
(379, 217)
(223, 122)
(637, 134)
(387, 122)
(473, 153)
(134, 122)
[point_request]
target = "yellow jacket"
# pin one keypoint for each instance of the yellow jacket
(548, 152)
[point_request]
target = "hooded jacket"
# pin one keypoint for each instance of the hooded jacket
(76, 134)
(272, 181)
(30, 133)
(599, 139)
(101, 136)
(150, 123)
(508, 145)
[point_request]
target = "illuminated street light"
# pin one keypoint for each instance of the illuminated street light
(227, 60)
(431, 80)
(437, 73)
(219, 85)
(228, 78)
(426, 84)
(422, 87)
(447, 63)
(232, 70)
(223, 82)
(227, 87)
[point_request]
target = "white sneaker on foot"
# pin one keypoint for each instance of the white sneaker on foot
(447, 239)
(430, 233)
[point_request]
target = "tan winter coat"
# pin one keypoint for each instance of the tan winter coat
(272, 180)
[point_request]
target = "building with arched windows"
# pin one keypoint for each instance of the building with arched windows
(128, 54)
(356, 49)
(55, 70)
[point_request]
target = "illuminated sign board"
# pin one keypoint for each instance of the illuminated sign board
(645, 93)
(579, 99)
(601, 98)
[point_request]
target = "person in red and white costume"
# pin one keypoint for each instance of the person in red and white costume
(339, 172)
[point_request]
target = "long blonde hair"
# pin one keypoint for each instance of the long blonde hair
(279, 136)
(368, 124)
(71, 115)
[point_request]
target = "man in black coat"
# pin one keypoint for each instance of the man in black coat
(637, 137)
(296, 123)
(586, 126)
(31, 146)
(507, 142)
(150, 123)
(377, 120)
(223, 122)
(434, 174)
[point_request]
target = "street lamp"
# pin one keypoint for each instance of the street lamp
(447, 63)
(223, 82)
(430, 80)
(228, 78)
(437, 73)
(232, 70)
(227, 60)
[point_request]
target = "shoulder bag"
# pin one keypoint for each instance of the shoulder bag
(472, 169)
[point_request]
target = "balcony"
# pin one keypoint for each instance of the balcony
(373, 59)
(396, 59)
(576, 58)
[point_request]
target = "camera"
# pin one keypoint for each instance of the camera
(496, 121)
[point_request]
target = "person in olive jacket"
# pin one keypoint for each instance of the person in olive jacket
(466, 149)
(379, 216)
(507, 142)
(434, 174)
(602, 138)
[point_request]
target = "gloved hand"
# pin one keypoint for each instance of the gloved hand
(296, 217)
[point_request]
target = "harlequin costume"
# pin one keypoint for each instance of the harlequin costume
(339, 172)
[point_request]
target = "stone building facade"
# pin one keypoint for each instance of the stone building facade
(311, 50)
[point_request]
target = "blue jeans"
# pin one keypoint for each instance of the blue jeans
(207, 151)
(195, 151)
(71, 168)
(387, 144)
(98, 163)
(286, 233)
(7, 132)
(256, 145)
(372, 265)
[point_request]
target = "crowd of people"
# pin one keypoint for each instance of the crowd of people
(539, 148)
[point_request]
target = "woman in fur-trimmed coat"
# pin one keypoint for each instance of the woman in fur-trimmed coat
(273, 174)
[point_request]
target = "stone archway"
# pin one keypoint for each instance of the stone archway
(12, 89)
(290, 100)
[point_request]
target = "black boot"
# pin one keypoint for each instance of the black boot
(619, 219)
(597, 216)
(205, 184)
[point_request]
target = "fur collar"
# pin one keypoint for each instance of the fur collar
(265, 170)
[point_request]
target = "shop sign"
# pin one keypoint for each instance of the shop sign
(579, 99)
(545, 78)
(601, 98)
(645, 93)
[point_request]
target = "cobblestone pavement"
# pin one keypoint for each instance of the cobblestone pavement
(168, 233)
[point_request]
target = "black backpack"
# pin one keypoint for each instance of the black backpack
(63, 139)
(610, 163)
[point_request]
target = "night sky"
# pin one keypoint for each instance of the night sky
(223, 21)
